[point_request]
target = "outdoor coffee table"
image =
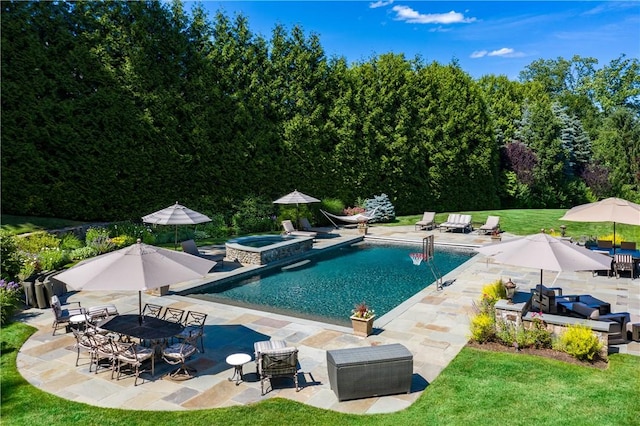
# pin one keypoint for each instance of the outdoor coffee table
(237, 361)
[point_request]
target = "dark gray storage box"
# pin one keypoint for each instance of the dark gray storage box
(370, 371)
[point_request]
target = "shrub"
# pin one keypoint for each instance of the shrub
(200, 235)
(37, 242)
(53, 259)
(131, 230)
(217, 228)
(579, 341)
(254, 214)
(69, 241)
(519, 337)
(94, 234)
(483, 327)
(83, 253)
(9, 299)
(10, 259)
(101, 244)
(494, 291)
(385, 211)
(123, 241)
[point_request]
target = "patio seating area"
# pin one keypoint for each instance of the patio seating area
(433, 326)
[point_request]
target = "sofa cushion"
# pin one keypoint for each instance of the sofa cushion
(586, 311)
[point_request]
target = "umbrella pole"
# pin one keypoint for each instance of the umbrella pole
(140, 307)
(175, 241)
(614, 238)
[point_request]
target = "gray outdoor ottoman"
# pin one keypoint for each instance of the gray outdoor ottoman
(370, 371)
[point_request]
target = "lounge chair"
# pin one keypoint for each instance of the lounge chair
(492, 224)
(457, 221)
(281, 362)
(427, 222)
(306, 227)
(189, 246)
(623, 263)
(289, 229)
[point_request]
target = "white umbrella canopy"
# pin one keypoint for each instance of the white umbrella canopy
(296, 197)
(616, 210)
(176, 215)
(138, 267)
(542, 251)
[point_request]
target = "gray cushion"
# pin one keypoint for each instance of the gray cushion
(586, 311)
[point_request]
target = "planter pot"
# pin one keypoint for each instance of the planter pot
(496, 238)
(361, 326)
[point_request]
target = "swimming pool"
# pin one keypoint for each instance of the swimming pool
(327, 288)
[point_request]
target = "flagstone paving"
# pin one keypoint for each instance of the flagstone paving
(433, 325)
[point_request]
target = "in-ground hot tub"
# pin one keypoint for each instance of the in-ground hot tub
(264, 249)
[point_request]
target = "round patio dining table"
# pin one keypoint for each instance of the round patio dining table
(141, 327)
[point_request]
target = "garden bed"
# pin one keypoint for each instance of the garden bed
(547, 353)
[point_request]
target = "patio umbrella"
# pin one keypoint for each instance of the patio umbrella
(607, 210)
(176, 215)
(138, 267)
(546, 252)
(296, 197)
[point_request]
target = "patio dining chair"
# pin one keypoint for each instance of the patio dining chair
(178, 354)
(193, 326)
(281, 362)
(132, 355)
(173, 315)
(151, 310)
(63, 313)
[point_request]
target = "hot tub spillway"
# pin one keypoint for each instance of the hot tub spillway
(264, 249)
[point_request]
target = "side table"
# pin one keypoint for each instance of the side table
(237, 361)
(77, 321)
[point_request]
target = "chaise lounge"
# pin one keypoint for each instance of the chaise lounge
(492, 224)
(289, 229)
(457, 221)
(427, 222)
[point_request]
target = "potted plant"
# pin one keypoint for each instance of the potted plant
(362, 320)
(495, 235)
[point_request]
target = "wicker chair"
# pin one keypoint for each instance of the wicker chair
(278, 363)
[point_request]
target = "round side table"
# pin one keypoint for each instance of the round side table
(78, 321)
(237, 361)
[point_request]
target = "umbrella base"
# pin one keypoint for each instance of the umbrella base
(182, 373)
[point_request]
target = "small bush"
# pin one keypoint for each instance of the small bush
(83, 253)
(494, 291)
(53, 259)
(483, 327)
(37, 242)
(101, 244)
(385, 211)
(217, 228)
(200, 235)
(123, 241)
(579, 341)
(11, 262)
(9, 299)
(69, 241)
(94, 234)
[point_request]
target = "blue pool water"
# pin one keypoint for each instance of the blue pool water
(328, 287)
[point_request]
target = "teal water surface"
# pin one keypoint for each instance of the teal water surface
(328, 287)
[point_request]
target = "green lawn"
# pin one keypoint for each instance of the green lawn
(477, 388)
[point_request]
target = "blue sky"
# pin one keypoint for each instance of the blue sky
(499, 37)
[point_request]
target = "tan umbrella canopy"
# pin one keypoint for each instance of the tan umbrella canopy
(296, 197)
(138, 267)
(607, 210)
(542, 251)
(176, 215)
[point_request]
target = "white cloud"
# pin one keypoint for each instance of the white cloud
(405, 13)
(479, 54)
(380, 3)
(505, 52)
